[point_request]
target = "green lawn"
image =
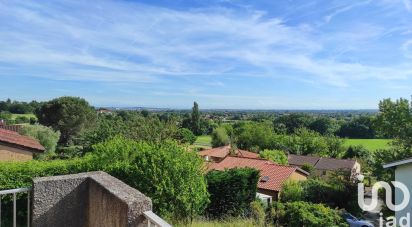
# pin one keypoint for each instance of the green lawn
(370, 144)
(14, 116)
(203, 141)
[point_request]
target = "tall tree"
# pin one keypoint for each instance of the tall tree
(69, 115)
(395, 120)
(196, 119)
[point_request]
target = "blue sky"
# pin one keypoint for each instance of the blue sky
(222, 53)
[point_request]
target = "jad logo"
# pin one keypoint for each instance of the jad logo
(374, 202)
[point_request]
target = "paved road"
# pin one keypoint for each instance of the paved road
(373, 216)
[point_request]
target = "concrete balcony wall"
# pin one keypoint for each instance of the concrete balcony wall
(93, 199)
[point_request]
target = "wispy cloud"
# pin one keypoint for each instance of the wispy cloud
(114, 41)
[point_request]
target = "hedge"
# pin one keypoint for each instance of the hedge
(171, 176)
(231, 191)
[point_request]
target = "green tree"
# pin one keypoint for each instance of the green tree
(323, 125)
(277, 156)
(69, 115)
(394, 120)
(184, 135)
(220, 137)
(195, 119)
(293, 121)
(45, 135)
(358, 127)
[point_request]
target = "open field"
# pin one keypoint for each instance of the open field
(370, 144)
(203, 141)
(14, 116)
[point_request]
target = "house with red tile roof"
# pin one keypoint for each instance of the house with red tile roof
(15, 147)
(219, 153)
(272, 175)
(324, 165)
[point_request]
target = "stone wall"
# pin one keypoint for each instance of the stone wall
(87, 199)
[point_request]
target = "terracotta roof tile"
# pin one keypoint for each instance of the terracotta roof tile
(221, 152)
(11, 137)
(277, 174)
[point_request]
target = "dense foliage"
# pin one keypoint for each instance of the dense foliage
(45, 135)
(132, 125)
(276, 156)
(358, 127)
(337, 191)
(297, 214)
(220, 137)
(231, 191)
(17, 107)
(184, 135)
(69, 115)
(171, 176)
(261, 136)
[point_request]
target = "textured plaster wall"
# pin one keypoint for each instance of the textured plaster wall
(8, 153)
(87, 199)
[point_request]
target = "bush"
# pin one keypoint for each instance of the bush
(297, 214)
(171, 176)
(308, 168)
(277, 156)
(257, 211)
(21, 120)
(231, 191)
(336, 192)
(291, 191)
(184, 135)
(45, 135)
(220, 137)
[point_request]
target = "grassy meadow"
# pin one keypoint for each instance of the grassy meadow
(14, 116)
(203, 142)
(370, 144)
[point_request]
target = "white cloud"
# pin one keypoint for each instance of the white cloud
(113, 41)
(407, 4)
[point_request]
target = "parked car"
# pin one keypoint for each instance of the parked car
(355, 222)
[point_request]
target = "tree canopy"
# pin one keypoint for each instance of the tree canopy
(69, 115)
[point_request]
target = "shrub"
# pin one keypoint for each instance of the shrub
(277, 156)
(306, 214)
(291, 191)
(336, 192)
(308, 168)
(45, 135)
(184, 135)
(21, 120)
(171, 176)
(220, 137)
(257, 211)
(231, 191)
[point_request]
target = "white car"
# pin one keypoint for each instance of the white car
(354, 222)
